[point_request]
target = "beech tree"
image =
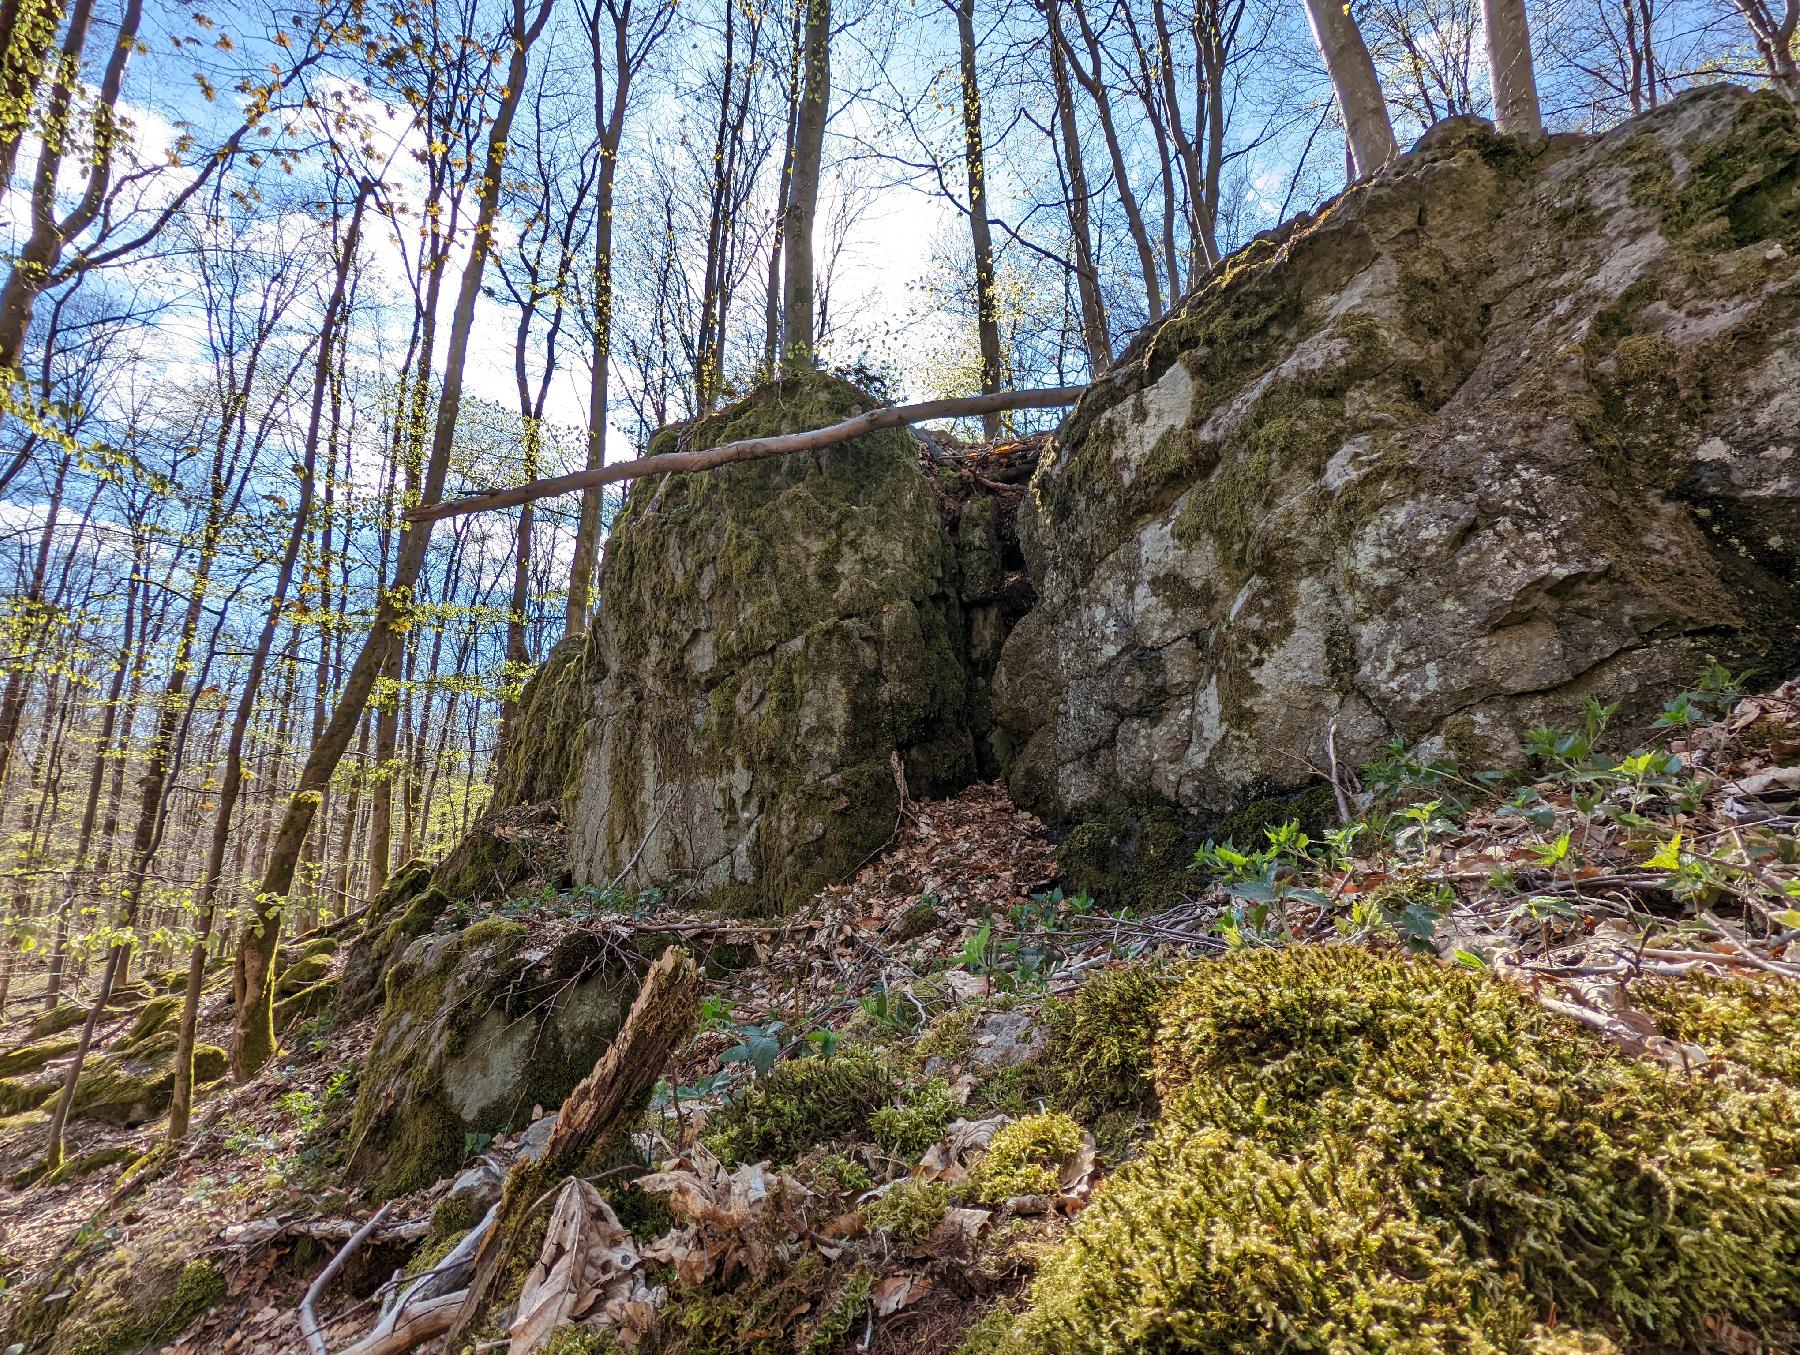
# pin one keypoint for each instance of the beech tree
(1359, 98)
(253, 1035)
(798, 330)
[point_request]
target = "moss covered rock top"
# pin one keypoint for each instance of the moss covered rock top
(1502, 428)
(772, 635)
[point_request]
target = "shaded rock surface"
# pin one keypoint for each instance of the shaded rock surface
(479, 1027)
(775, 637)
(1496, 432)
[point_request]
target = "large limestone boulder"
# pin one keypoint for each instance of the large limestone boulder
(1503, 429)
(774, 637)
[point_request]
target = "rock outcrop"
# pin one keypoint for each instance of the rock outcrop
(777, 638)
(481, 1029)
(1508, 427)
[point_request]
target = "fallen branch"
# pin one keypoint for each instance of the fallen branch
(429, 1304)
(309, 1320)
(749, 449)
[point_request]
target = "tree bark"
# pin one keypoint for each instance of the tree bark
(1510, 69)
(1094, 332)
(27, 33)
(1774, 34)
(803, 193)
(987, 298)
(42, 251)
(1353, 79)
(1093, 80)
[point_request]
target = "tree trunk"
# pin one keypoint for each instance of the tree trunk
(1093, 80)
(1774, 36)
(797, 334)
(1353, 79)
(987, 299)
(1094, 332)
(1510, 69)
(253, 1034)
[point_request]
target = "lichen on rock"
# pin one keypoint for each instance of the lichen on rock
(775, 637)
(1430, 465)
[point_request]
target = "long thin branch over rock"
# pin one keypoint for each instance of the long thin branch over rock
(750, 449)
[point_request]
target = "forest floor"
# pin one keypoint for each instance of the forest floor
(954, 946)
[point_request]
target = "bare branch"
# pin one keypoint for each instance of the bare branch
(750, 449)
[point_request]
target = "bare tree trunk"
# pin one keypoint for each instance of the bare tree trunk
(1774, 34)
(803, 196)
(784, 190)
(381, 780)
(1352, 72)
(18, 685)
(1510, 68)
(1094, 332)
(253, 1035)
(987, 299)
(1093, 80)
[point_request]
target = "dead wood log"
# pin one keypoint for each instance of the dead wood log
(750, 449)
(602, 1107)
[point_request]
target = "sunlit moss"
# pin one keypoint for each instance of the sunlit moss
(1364, 1152)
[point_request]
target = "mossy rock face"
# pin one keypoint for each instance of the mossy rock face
(302, 973)
(1364, 1152)
(31, 1057)
(1430, 464)
(406, 908)
(18, 1095)
(136, 1297)
(135, 1083)
(774, 634)
(57, 1020)
(305, 1002)
(539, 757)
(479, 1027)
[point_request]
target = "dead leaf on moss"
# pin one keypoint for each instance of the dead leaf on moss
(949, 1159)
(589, 1272)
(893, 1292)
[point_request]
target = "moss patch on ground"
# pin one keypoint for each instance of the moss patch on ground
(137, 1296)
(1363, 1152)
(803, 1103)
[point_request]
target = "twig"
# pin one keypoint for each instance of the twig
(632, 864)
(1337, 786)
(309, 1322)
